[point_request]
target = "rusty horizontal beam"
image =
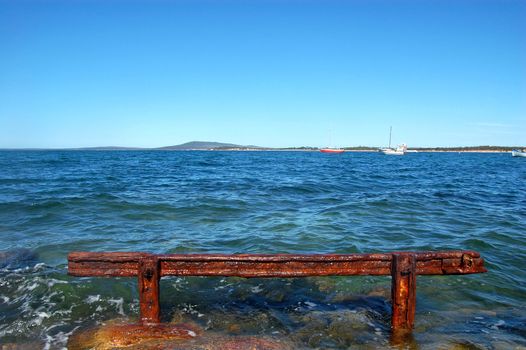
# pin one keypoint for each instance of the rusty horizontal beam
(276, 265)
(401, 266)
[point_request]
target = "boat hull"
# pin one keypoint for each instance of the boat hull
(518, 154)
(331, 150)
(392, 152)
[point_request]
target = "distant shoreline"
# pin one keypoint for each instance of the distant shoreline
(248, 150)
(221, 146)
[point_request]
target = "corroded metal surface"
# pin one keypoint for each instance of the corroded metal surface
(149, 277)
(279, 265)
(403, 291)
(401, 266)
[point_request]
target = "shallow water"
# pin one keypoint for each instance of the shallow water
(54, 202)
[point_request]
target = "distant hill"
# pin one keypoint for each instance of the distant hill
(205, 145)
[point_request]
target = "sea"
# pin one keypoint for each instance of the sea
(55, 202)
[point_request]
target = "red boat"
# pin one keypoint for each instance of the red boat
(331, 150)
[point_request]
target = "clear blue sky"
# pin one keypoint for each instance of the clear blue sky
(269, 73)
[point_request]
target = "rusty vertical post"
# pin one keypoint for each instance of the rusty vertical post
(149, 276)
(403, 291)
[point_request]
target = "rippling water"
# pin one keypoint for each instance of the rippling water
(54, 202)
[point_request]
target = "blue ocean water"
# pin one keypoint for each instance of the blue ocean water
(54, 202)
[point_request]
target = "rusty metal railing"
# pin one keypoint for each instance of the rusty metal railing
(401, 266)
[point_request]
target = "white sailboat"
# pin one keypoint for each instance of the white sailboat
(518, 153)
(398, 151)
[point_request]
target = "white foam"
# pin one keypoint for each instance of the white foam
(92, 299)
(310, 304)
(40, 317)
(256, 289)
(118, 305)
(498, 324)
(59, 340)
(64, 312)
(38, 266)
(54, 281)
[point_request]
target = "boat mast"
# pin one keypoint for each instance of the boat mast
(390, 130)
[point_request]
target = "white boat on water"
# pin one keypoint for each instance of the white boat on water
(518, 153)
(398, 151)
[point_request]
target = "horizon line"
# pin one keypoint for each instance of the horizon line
(251, 147)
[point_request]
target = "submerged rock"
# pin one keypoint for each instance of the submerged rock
(22, 346)
(117, 334)
(462, 346)
(242, 322)
(169, 336)
(18, 257)
(236, 343)
(334, 328)
(380, 291)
